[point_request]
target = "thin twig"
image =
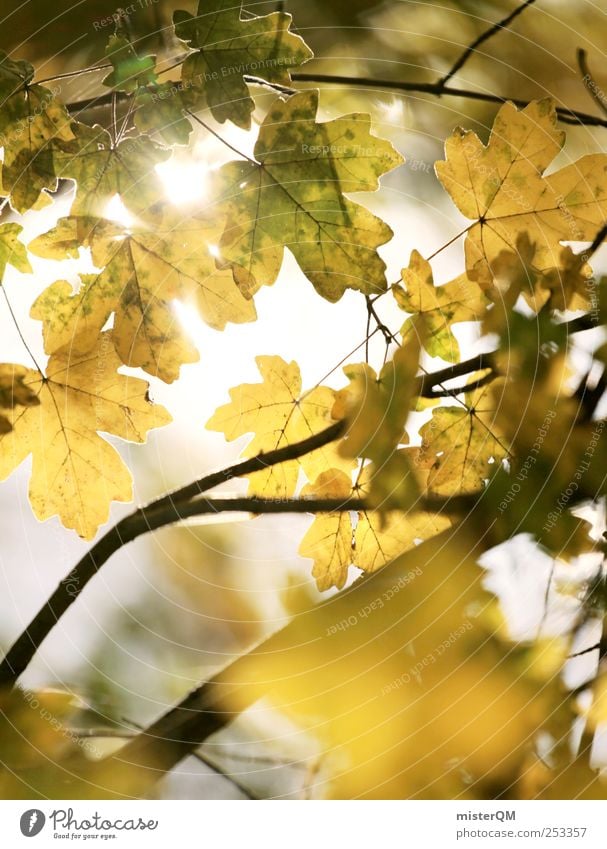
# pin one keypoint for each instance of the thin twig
(20, 333)
(485, 36)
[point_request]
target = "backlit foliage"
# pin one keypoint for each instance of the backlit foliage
(420, 690)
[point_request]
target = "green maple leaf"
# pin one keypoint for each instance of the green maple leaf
(130, 70)
(231, 47)
(293, 196)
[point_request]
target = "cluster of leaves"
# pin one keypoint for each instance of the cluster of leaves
(491, 446)
(215, 263)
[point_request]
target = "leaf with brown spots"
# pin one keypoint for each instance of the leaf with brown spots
(293, 196)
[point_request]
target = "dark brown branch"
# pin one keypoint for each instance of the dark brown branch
(219, 701)
(458, 390)
(567, 116)
(385, 331)
(485, 36)
(254, 464)
(427, 382)
(166, 510)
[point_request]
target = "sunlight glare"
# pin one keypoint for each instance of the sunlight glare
(117, 211)
(185, 182)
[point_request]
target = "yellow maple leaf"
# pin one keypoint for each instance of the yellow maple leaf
(460, 442)
(144, 267)
(328, 541)
(278, 414)
(335, 543)
(377, 407)
(76, 473)
(503, 188)
(440, 307)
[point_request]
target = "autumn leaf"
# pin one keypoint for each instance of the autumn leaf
(12, 251)
(76, 474)
(334, 542)
(31, 120)
(130, 71)
(376, 409)
(440, 307)
(159, 109)
(329, 540)
(102, 170)
(144, 268)
(502, 186)
(382, 536)
(278, 415)
(564, 287)
(461, 443)
(292, 197)
(231, 47)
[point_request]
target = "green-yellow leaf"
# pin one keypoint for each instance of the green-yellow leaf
(130, 70)
(160, 110)
(292, 197)
(144, 267)
(31, 121)
(76, 474)
(102, 170)
(440, 307)
(12, 251)
(230, 47)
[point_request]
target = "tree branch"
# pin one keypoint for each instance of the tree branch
(254, 464)
(567, 116)
(427, 382)
(179, 505)
(485, 36)
(218, 702)
(166, 510)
